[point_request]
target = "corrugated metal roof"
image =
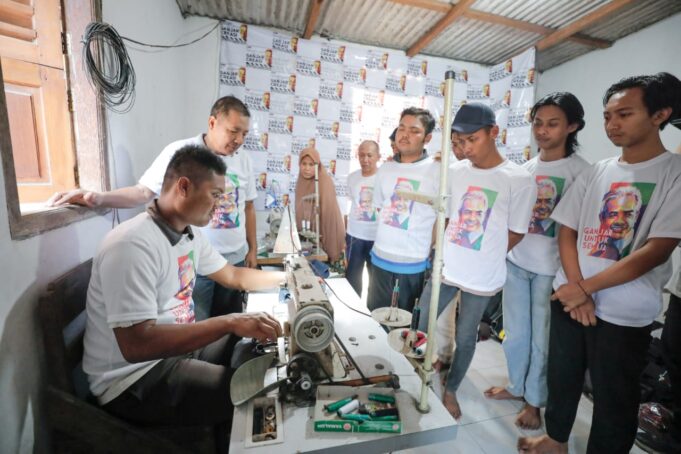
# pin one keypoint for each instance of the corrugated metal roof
(394, 25)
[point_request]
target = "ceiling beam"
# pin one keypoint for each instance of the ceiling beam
(432, 5)
(534, 28)
(312, 17)
(580, 24)
(481, 16)
(453, 14)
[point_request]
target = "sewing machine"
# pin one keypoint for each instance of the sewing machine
(310, 353)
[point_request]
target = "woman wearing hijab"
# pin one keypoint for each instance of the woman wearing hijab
(332, 227)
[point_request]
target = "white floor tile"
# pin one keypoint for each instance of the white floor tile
(463, 444)
(488, 354)
(498, 436)
(475, 406)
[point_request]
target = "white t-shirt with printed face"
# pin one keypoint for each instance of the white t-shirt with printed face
(484, 205)
(615, 208)
(226, 230)
(363, 216)
(405, 228)
(138, 275)
(538, 251)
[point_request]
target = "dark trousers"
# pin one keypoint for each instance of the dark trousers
(671, 342)
(357, 253)
(191, 389)
(381, 283)
(615, 357)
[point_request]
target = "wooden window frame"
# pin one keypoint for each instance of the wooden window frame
(90, 142)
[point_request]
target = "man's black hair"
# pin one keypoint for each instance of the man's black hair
(226, 104)
(393, 135)
(194, 162)
(573, 110)
(424, 116)
(660, 91)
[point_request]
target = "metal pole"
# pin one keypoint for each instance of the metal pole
(316, 203)
(436, 277)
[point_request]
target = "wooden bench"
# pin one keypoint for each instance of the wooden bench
(77, 424)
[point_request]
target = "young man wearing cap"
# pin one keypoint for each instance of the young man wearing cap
(404, 232)
(491, 199)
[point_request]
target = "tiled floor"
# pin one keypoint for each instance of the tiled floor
(487, 426)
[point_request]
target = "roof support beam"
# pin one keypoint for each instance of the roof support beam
(580, 24)
(312, 17)
(473, 14)
(453, 14)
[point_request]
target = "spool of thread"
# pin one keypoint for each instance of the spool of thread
(415, 316)
(348, 408)
(382, 398)
(420, 342)
(421, 349)
(405, 333)
(332, 407)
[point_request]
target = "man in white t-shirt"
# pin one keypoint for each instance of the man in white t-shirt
(491, 199)
(405, 228)
(146, 358)
(363, 216)
(609, 291)
(232, 230)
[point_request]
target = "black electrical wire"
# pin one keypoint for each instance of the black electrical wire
(108, 66)
(339, 299)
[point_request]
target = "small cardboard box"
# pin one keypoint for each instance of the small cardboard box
(264, 411)
(331, 422)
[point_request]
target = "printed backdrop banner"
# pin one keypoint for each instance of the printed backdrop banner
(333, 95)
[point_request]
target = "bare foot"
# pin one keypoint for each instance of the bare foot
(541, 445)
(452, 405)
(439, 365)
(529, 418)
(500, 393)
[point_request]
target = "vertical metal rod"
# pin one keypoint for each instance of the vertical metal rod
(436, 276)
(316, 203)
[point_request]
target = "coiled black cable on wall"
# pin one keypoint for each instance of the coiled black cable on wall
(108, 66)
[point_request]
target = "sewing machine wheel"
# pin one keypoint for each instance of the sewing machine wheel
(313, 329)
(303, 371)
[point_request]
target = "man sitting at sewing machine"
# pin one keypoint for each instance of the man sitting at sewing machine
(404, 230)
(146, 358)
(491, 199)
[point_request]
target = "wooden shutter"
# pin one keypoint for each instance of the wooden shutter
(30, 30)
(36, 91)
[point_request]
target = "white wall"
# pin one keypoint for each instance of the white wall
(651, 50)
(175, 89)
